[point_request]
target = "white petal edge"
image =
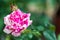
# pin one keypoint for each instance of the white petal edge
(15, 34)
(7, 31)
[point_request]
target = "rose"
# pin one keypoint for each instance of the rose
(16, 22)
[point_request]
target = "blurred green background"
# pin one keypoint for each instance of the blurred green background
(42, 12)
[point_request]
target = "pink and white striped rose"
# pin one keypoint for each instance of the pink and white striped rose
(16, 22)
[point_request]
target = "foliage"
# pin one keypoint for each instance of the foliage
(41, 28)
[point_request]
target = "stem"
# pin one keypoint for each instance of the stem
(7, 37)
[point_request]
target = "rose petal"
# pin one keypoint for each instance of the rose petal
(7, 30)
(16, 34)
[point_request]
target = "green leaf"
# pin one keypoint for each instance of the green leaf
(30, 35)
(59, 37)
(36, 33)
(1, 25)
(40, 28)
(52, 27)
(49, 35)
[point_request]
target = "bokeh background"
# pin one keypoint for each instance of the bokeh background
(45, 16)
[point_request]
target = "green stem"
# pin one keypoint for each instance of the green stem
(7, 37)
